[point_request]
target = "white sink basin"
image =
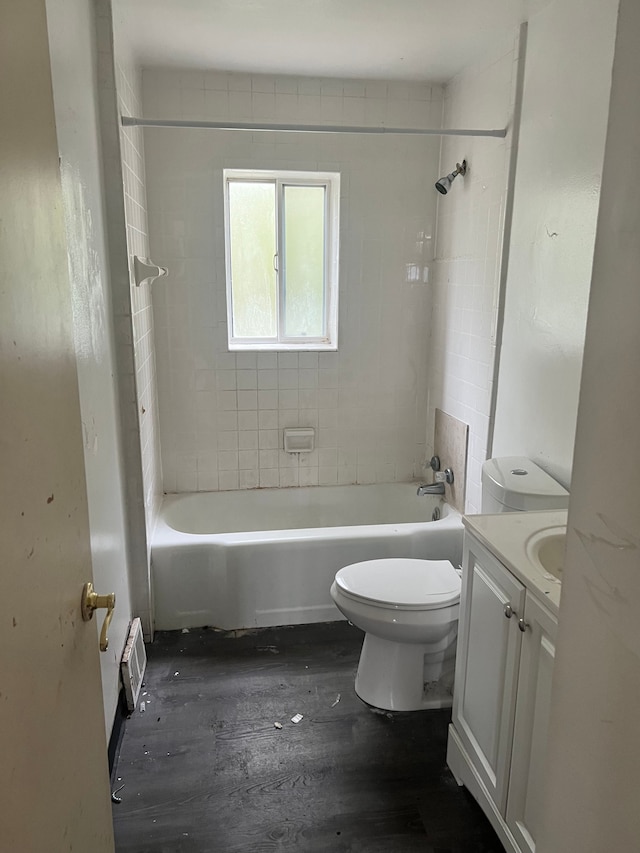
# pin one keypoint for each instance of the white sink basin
(545, 550)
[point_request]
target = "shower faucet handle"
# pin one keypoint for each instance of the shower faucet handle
(445, 476)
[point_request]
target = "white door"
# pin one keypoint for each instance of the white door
(526, 786)
(54, 785)
(487, 666)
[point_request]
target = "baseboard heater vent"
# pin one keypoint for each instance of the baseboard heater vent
(134, 663)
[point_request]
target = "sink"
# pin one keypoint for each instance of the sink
(545, 549)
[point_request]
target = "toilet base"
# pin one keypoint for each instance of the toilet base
(406, 676)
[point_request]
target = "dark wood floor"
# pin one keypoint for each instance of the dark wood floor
(205, 769)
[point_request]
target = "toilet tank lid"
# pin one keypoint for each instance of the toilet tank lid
(402, 582)
(514, 477)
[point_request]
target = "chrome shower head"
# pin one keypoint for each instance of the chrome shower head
(444, 184)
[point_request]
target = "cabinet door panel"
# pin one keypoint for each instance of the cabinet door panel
(487, 667)
(526, 787)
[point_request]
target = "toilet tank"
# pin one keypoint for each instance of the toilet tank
(516, 484)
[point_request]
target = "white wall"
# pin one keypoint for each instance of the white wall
(466, 281)
(564, 115)
(72, 41)
(221, 413)
(592, 792)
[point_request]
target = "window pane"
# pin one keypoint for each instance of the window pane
(252, 233)
(304, 261)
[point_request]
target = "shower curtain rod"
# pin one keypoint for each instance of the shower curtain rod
(133, 121)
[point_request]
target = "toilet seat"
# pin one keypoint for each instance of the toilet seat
(399, 583)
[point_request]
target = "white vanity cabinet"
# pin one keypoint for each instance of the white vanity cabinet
(504, 664)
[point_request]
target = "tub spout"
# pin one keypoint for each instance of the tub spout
(431, 489)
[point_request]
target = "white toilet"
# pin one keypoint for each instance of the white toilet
(408, 609)
(516, 484)
(409, 612)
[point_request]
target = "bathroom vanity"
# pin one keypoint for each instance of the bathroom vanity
(512, 568)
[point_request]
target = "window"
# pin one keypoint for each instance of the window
(281, 245)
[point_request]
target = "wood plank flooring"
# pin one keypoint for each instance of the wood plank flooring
(205, 769)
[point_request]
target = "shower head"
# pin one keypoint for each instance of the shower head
(444, 184)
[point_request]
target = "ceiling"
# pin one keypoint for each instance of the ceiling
(384, 39)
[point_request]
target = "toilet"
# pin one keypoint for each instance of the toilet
(409, 608)
(516, 484)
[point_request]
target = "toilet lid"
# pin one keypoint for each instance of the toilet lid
(403, 583)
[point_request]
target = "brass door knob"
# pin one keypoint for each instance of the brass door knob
(91, 602)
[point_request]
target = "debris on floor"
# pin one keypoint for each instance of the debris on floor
(338, 697)
(382, 713)
(238, 632)
(296, 718)
(218, 733)
(114, 795)
(273, 649)
(277, 726)
(185, 631)
(143, 707)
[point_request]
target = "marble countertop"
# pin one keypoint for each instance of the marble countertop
(506, 535)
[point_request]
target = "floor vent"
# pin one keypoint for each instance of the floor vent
(134, 663)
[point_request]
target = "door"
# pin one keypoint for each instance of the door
(526, 786)
(55, 786)
(487, 666)
(73, 58)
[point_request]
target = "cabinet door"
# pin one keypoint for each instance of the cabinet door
(487, 666)
(531, 723)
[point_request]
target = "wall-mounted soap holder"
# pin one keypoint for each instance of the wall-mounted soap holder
(299, 439)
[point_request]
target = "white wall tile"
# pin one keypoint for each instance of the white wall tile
(268, 419)
(308, 476)
(269, 478)
(211, 398)
(268, 459)
(227, 481)
(248, 460)
(247, 420)
(465, 271)
(248, 439)
(267, 360)
(136, 305)
(270, 400)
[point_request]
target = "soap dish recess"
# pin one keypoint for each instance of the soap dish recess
(299, 440)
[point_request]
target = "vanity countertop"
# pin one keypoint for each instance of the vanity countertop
(508, 534)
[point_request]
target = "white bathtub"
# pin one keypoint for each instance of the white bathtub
(268, 556)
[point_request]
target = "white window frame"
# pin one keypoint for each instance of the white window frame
(331, 182)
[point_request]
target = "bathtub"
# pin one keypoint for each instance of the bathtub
(265, 557)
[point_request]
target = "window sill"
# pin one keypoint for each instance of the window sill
(280, 347)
